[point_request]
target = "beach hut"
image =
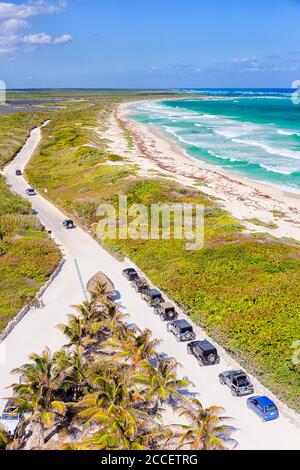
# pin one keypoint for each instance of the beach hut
(101, 278)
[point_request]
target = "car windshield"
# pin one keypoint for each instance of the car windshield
(271, 408)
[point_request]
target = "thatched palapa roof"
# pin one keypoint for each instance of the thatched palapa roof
(100, 278)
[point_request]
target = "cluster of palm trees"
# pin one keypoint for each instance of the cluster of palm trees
(108, 389)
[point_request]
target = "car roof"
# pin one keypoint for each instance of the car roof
(167, 305)
(154, 292)
(265, 401)
(236, 373)
(205, 345)
(182, 323)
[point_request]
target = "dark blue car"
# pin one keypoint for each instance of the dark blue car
(263, 407)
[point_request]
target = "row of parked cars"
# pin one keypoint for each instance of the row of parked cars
(205, 353)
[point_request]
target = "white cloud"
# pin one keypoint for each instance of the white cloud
(43, 38)
(13, 25)
(63, 39)
(31, 8)
(11, 37)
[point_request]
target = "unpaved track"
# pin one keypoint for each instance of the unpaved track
(37, 329)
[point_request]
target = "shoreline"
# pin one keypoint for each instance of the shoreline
(243, 197)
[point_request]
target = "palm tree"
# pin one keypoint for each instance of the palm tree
(120, 434)
(5, 438)
(75, 368)
(39, 393)
(161, 382)
(138, 348)
(74, 330)
(205, 431)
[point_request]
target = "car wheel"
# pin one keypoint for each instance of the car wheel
(189, 350)
(200, 362)
(222, 380)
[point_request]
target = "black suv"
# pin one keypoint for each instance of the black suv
(30, 192)
(166, 311)
(68, 224)
(205, 352)
(152, 296)
(18, 173)
(238, 382)
(130, 274)
(182, 330)
(140, 284)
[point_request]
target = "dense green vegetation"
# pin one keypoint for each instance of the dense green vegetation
(243, 289)
(106, 389)
(14, 130)
(27, 256)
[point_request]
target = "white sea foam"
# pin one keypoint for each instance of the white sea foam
(283, 171)
(288, 133)
(272, 150)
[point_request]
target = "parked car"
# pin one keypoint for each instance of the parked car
(182, 330)
(204, 352)
(68, 224)
(130, 274)
(238, 382)
(18, 173)
(166, 311)
(140, 284)
(152, 297)
(30, 192)
(263, 407)
(9, 419)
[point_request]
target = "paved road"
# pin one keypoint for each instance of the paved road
(37, 329)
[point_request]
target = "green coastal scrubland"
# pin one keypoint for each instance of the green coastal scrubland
(27, 256)
(14, 130)
(244, 289)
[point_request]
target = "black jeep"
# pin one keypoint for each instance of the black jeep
(205, 352)
(140, 284)
(68, 224)
(130, 274)
(182, 330)
(152, 297)
(166, 311)
(238, 382)
(30, 192)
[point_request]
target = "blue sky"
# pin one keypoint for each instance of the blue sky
(149, 43)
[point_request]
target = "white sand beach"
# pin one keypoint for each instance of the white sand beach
(260, 207)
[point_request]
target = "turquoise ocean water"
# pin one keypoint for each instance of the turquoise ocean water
(255, 133)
